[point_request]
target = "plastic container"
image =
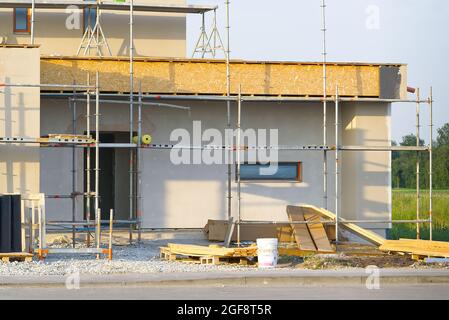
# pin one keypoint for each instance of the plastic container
(267, 253)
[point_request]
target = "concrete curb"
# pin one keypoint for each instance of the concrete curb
(284, 279)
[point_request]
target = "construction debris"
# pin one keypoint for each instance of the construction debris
(367, 235)
(419, 249)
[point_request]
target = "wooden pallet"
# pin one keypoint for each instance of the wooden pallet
(16, 256)
(167, 254)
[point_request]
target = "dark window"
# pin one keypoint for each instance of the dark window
(89, 17)
(22, 20)
(285, 171)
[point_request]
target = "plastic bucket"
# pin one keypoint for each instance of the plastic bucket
(267, 253)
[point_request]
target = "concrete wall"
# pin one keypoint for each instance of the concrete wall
(155, 34)
(185, 196)
(19, 117)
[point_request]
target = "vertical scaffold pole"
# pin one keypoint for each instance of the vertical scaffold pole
(131, 115)
(33, 9)
(418, 195)
(337, 164)
(323, 7)
(239, 199)
(431, 162)
(228, 106)
(88, 187)
(97, 155)
(139, 166)
(73, 105)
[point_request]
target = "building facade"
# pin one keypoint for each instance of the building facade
(187, 195)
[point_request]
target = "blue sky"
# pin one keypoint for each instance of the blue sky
(414, 32)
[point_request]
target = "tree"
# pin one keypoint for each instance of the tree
(404, 163)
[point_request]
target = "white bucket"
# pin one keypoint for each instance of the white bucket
(267, 253)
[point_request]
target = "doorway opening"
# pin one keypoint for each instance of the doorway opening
(113, 177)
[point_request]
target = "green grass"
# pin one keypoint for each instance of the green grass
(404, 208)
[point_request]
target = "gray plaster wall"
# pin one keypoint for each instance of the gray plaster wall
(186, 196)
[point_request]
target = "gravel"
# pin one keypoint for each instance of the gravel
(139, 258)
(144, 258)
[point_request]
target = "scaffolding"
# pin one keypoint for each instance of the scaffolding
(204, 46)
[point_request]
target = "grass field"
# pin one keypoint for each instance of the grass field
(404, 208)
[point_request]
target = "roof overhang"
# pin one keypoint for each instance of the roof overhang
(108, 5)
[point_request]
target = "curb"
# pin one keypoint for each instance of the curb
(241, 281)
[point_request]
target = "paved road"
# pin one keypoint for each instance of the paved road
(428, 291)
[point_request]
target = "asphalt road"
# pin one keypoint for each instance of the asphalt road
(391, 292)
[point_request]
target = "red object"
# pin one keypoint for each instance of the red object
(411, 90)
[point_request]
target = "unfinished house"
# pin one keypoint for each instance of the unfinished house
(172, 93)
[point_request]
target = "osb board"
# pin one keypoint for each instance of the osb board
(209, 77)
(216, 230)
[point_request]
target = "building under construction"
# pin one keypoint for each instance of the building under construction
(73, 101)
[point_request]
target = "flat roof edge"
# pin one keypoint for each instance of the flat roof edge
(197, 60)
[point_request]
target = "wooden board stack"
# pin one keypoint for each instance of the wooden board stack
(207, 255)
(419, 249)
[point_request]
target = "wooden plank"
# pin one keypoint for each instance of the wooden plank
(361, 232)
(418, 248)
(300, 231)
(16, 256)
(294, 252)
(216, 230)
(318, 233)
(193, 250)
(425, 243)
(195, 76)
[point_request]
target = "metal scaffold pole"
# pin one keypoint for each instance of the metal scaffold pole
(239, 152)
(131, 114)
(138, 176)
(431, 162)
(418, 202)
(33, 9)
(88, 167)
(73, 105)
(97, 155)
(337, 165)
(228, 106)
(323, 7)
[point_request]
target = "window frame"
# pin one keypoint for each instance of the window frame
(298, 179)
(28, 21)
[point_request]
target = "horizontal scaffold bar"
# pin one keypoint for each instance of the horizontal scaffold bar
(47, 140)
(214, 147)
(71, 86)
(74, 250)
(91, 143)
(249, 222)
(190, 97)
(383, 148)
(88, 223)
